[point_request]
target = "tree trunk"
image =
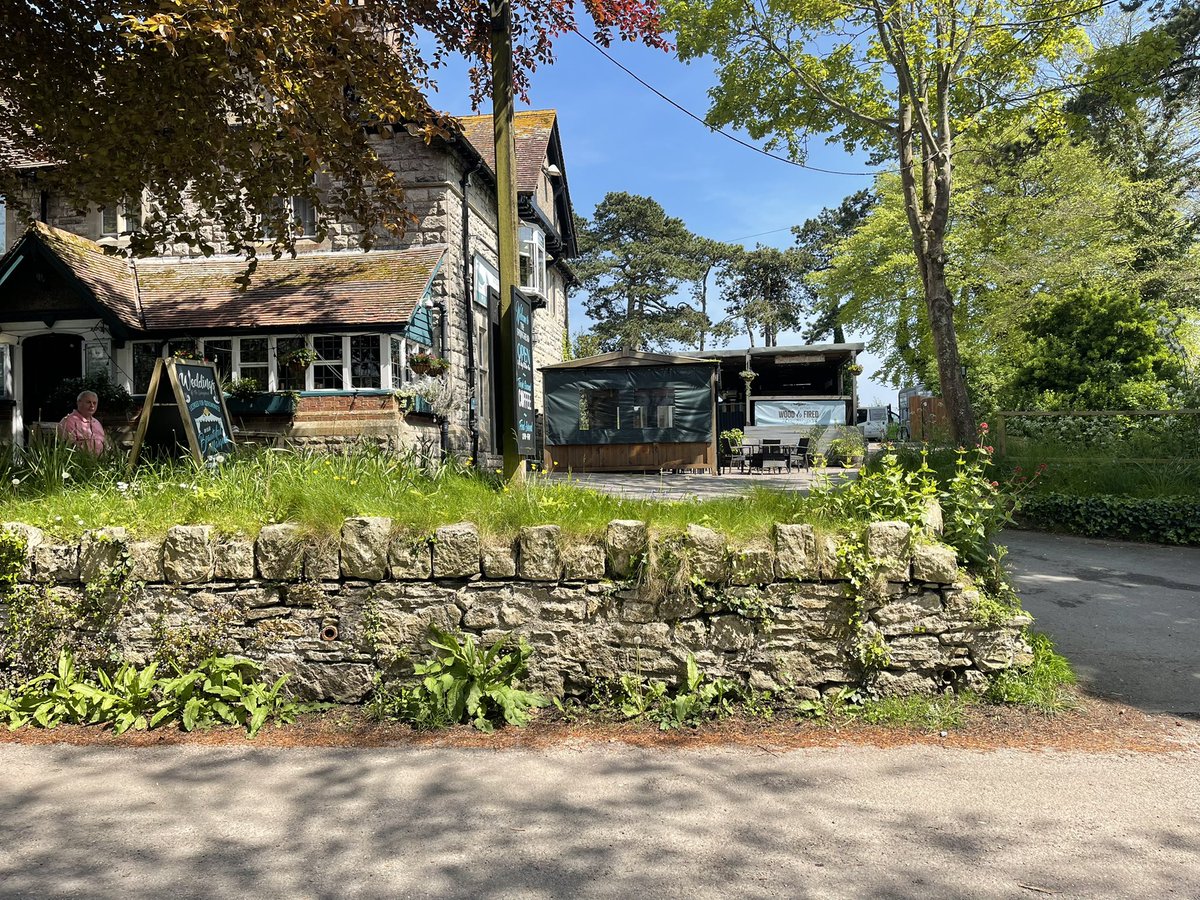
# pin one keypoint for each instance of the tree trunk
(940, 308)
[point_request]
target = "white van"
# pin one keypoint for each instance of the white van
(873, 421)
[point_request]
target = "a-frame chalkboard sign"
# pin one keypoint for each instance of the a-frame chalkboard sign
(184, 408)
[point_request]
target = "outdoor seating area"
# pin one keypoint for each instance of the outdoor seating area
(770, 449)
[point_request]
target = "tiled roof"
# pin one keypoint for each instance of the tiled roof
(531, 133)
(348, 289)
(334, 290)
(110, 278)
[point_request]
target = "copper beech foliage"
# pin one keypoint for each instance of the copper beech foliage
(218, 109)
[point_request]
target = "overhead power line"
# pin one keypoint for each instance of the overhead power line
(725, 134)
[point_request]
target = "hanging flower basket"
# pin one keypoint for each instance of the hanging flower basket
(748, 376)
(854, 369)
(297, 361)
(427, 364)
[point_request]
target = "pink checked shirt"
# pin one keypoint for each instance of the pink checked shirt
(83, 431)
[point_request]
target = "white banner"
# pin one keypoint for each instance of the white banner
(800, 412)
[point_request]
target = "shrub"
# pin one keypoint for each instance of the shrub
(463, 683)
(1168, 520)
(112, 398)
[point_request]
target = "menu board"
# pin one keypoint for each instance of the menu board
(525, 421)
(184, 409)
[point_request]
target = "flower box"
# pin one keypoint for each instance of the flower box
(262, 405)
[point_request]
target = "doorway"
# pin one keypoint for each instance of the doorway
(46, 361)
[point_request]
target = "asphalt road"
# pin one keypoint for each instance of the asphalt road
(1126, 615)
(596, 821)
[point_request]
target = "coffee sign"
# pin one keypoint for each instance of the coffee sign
(525, 421)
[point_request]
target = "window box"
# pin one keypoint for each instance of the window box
(262, 405)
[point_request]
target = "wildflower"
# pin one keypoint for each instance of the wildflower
(122, 486)
(66, 476)
(990, 449)
(16, 481)
(983, 426)
(58, 518)
(995, 484)
(354, 481)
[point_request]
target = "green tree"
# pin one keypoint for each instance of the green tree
(219, 108)
(764, 289)
(633, 262)
(1032, 222)
(1097, 348)
(706, 257)
(902, 81)
(816, 241)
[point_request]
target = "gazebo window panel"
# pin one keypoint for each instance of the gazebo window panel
(654, 408)
(597, 409)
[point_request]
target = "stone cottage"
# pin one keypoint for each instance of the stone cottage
(68, 308)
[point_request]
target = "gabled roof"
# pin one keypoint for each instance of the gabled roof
(531, 133)
(333, 290)
(628, 358)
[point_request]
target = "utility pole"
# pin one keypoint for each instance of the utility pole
(506, 226)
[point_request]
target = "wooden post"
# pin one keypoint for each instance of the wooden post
(506, 226)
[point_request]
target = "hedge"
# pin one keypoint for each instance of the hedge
(1170, 520)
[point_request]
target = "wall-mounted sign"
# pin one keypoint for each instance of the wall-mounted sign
(184, 409)
(797, 359)
(524, 419)
(800, 412)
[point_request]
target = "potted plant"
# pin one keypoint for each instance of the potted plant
(297, 361)
(854, 369)
(243, 390)
(748, 376)
(427, 364)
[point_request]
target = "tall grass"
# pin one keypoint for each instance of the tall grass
(66, 492)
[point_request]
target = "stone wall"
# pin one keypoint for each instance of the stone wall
(774, 615)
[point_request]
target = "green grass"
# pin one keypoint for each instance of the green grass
(944, 711)
(318, 491)
(1042, 685)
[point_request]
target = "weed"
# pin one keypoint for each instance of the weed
(1042, 685)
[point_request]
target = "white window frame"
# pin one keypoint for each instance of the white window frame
(532, 245)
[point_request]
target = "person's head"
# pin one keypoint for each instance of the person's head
(86, 403)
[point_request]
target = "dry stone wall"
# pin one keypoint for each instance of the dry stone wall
(775, 615)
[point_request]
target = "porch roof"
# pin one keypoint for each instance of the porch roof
(330, 290)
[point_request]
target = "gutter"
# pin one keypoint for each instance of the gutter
(468, 292)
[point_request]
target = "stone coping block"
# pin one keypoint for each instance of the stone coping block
(499, 560)
(188, 553)
(365, 545)
(102, 553)
(279, 553)
(456, 551)
(626, 542)
(539, 558)
(888, 542)
(708, 554)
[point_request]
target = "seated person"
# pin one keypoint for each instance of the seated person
(81, 428)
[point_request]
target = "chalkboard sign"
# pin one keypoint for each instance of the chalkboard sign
(525, 421)
(184, 408)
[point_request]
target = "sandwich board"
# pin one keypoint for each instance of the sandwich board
(184, 407)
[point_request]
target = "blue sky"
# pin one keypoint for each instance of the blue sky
(618, 136)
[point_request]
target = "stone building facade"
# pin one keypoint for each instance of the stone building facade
(62, 297)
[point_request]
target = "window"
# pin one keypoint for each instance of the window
(654, 408)
(327, 369)
(184, 346)
(533, 260)
(597, 410)
(399, 363)
(220, 353)
(304, 217)
(97, 359)
(254, 361)
(289, 378)
(118, 218)
(364, 361)
(144, 355)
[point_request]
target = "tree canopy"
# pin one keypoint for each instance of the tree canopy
(903, 81)
(219, 109)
